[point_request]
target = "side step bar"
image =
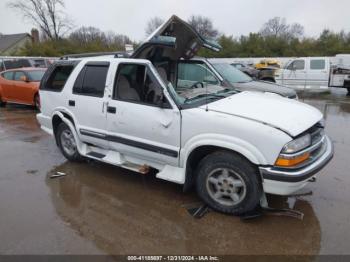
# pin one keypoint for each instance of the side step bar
(96, 155)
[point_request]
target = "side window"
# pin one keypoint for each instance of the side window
(91, 80)
(136, 83)
(297, 65)
(8, 75)
(317, 64)
(18, 75)
(192, 73)
(58, 78)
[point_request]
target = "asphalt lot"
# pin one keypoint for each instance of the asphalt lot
(101, 209)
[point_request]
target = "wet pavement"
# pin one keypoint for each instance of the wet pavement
(100, 209)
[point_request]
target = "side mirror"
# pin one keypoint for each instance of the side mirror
(24, 79)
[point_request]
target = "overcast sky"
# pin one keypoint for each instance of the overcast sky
(231, 17)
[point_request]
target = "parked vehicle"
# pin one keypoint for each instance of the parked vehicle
(267, 63)
(233, 146)
(7, 63)
(21, 86)
(314, 73)
(264, 74)
(204, 71)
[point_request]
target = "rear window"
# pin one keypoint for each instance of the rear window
(91, 80)
(317, 64)
(58, 78)
(36, 76)
(16, 63)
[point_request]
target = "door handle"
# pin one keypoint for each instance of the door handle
(111, 109)
(71, 103)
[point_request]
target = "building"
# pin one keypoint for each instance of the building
(9, 44)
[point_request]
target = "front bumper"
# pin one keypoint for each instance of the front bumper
(285, 182)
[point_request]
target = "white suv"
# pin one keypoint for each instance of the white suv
(233, 146)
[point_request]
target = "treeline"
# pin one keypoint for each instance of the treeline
(82, 40)
(276, 38)
(256, 45)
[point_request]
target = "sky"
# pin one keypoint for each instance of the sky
(231, 17)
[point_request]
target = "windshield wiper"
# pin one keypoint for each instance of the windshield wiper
(207, 96)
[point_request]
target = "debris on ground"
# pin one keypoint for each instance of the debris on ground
(58, 174)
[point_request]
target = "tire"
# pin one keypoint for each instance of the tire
(348, 94)
(37, 102)
(236, 180)
(66, 143)
(2, 104)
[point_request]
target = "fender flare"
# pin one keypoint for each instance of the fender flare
(237, 145)
(80, 145)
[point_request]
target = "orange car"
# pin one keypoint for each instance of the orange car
(21, 86)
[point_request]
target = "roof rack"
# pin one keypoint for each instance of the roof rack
(83, 55)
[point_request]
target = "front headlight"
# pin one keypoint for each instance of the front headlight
(297, 144)
(290, 157)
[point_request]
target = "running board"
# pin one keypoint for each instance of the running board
(95, 155)
(115, 158)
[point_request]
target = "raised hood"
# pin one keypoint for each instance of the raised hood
(173, 40)
(289, 115)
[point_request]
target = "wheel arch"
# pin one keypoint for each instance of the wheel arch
(59, 117)
(197, 153)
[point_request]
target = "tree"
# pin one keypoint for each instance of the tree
(204, 26)
(85, 35)
(47, 15)
(153, 24)
(278, 27)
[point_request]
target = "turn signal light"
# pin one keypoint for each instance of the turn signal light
(289, 162)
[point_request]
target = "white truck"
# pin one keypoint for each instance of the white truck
(315, 73)
(232, 146)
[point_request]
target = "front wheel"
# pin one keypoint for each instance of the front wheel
(228, 183)
(67, 144)
(2, 104)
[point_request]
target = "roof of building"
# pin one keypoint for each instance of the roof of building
(7, 41)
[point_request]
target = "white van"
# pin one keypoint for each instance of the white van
(313, 73)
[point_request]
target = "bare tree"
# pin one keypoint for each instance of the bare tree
(203, 25)
(85, 35)
(278, 27)
(47, 15)
(153, 24)
(296, 30)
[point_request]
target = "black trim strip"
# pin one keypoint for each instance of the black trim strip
(128, 142)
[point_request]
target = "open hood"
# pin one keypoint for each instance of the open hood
(173, 40)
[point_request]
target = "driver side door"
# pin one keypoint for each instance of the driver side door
(142, 121)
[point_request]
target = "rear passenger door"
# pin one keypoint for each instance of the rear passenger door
(88, 102)
(318, 73)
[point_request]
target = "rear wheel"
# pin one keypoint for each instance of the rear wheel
(37, 101)
(228, 183)
(66, 142)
